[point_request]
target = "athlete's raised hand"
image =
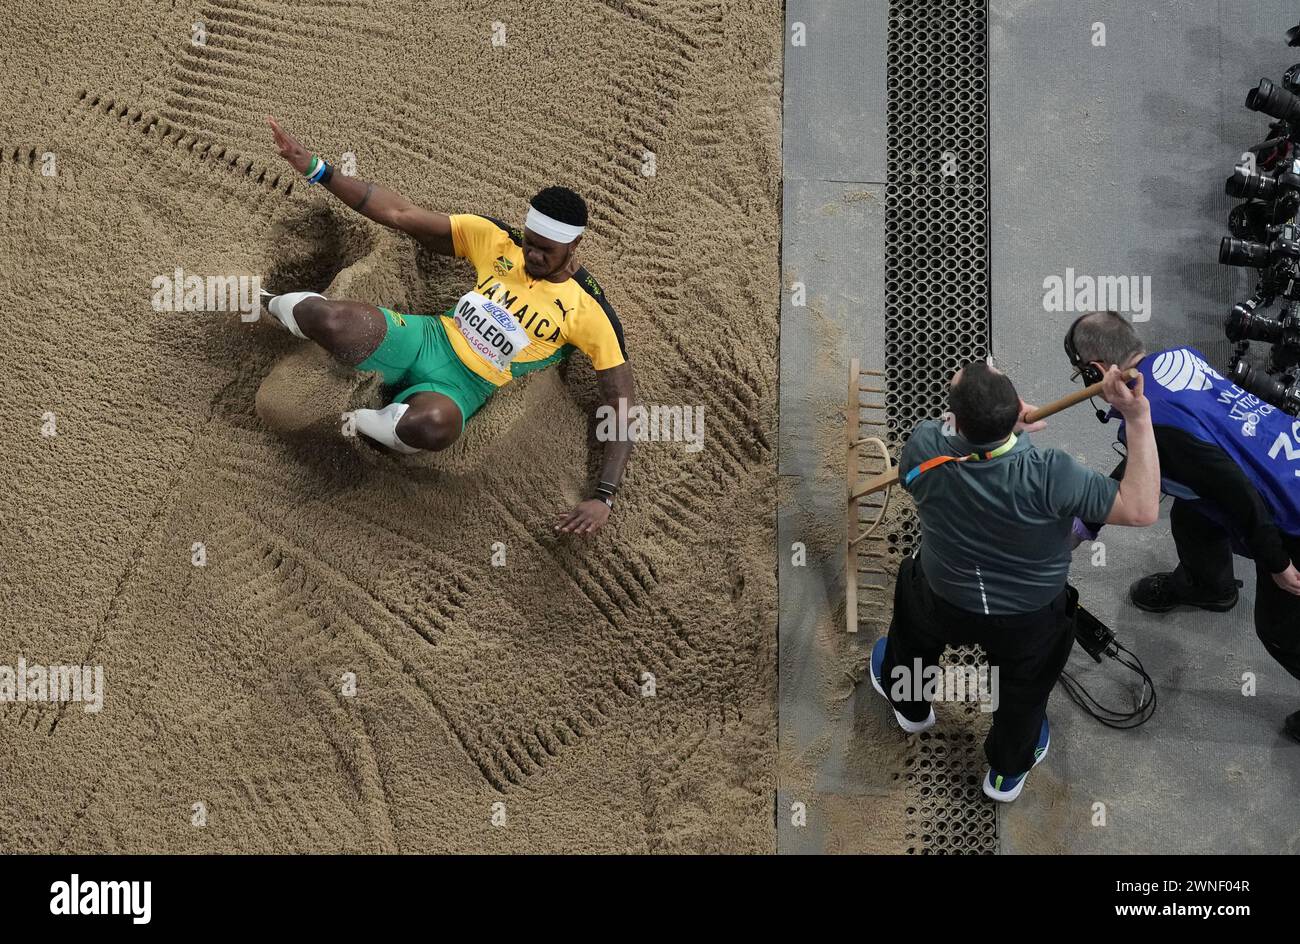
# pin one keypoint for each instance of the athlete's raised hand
(587, 518)
(290, 149)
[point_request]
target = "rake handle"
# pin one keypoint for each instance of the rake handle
(890, 477)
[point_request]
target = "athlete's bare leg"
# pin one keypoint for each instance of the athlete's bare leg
(433, 421)
(349, 330)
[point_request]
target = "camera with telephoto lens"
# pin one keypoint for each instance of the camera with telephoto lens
(1283, 390)
(1245, 323)
(1252, 220)
(1248, 184)
(1276, 101)
(1282, 252)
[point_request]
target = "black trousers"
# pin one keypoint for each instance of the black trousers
(1028, 650)
(1205, 563)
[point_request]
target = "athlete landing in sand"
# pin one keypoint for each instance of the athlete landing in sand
(531, 306)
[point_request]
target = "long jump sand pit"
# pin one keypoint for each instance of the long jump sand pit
(183, 510)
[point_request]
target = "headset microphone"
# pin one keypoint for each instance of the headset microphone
(1089, 372)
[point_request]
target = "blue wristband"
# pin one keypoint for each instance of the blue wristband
(317, 170)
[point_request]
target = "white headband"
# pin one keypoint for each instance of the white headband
(543, 225)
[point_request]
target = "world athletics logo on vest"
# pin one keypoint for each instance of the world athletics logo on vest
(1185, 371)
(1182, 370)
(1263, 441)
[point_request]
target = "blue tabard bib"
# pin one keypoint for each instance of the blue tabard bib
(1187, 393)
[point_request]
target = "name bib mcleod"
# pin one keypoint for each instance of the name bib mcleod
(491, 332)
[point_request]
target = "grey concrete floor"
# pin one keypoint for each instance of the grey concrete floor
(832, 246)
(1108, 160)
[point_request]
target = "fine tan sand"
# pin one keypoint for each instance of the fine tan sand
(496, 708)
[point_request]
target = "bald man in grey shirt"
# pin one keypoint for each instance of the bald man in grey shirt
(995, 534)
(996, 519)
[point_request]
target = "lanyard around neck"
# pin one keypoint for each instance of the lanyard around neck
(929, 464)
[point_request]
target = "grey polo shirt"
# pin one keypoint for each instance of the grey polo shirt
(996, 533)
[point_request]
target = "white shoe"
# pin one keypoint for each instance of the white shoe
(877, 661)
(1005, 789)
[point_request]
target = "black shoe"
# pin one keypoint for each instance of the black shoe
(1160, 593)
(1292, 725)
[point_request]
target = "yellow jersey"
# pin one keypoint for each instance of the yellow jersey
(556, 317)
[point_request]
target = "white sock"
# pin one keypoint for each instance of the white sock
(281, 307)
(381, 426)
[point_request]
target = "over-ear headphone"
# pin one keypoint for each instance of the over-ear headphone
(1089, 372)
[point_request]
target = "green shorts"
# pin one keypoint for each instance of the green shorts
(415, 356)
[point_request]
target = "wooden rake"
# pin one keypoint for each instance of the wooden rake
(868, 562)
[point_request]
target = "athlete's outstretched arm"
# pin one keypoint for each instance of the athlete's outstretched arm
(380, 204)
(590, 516)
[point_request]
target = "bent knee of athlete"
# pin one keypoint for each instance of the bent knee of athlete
(430, 426)
(332, 320)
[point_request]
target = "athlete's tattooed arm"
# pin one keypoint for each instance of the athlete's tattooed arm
(380, 204)
(616, 391)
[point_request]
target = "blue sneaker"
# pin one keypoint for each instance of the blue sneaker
(877, 664)
(1005, 789)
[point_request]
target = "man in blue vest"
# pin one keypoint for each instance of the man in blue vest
(1232, 464)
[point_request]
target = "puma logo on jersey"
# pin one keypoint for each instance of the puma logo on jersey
(564, 312)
